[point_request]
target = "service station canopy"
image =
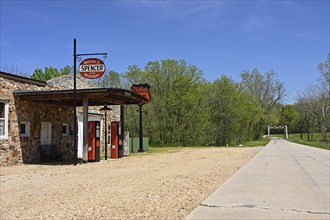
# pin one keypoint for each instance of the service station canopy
(96, 97)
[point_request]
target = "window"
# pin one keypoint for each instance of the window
(3, 119)
(65, 129)
(25, 129)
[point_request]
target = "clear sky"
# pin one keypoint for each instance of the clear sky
(219, 37)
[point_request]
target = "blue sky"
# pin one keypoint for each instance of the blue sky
(220, 37)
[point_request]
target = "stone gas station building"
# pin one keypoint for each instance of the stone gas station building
(36, 118)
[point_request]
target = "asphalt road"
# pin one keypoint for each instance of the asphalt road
(283, 181)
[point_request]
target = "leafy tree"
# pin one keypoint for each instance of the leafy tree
(289, 116)
(265, 90)
(171, 116)
(49, 73)
(314, 102)
(324, 69)
(174, 102)
(66, 70)
(186, 109)
(110, 79)
(313, 105)
(225, 110)
(134, 75)
(305, 117)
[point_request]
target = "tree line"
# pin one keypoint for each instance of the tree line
(310, 113)
(313, 106)
(187, 110)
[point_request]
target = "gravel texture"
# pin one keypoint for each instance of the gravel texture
(145, 186)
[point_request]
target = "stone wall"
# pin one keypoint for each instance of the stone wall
(35, 113)
(17, 149)
(10, 148)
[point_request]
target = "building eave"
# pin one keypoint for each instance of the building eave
(22, 79)
(96, 96)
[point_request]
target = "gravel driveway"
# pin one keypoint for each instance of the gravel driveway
(145, 186)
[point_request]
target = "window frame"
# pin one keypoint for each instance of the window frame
(66, 129)
(5, 119)
(27, 129)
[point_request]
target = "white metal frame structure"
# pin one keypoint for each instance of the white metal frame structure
(279, 127)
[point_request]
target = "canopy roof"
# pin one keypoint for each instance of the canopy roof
(95, 96)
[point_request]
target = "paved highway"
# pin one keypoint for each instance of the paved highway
(283, 181)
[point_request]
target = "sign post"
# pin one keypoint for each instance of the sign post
(92, 68)
(75, 150)
(144, 90)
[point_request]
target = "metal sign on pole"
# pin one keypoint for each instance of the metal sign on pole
(93, 68)
(144, 90)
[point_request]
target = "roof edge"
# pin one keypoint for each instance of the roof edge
(112, 96)
(22, 79)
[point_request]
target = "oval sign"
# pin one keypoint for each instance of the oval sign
(92, 68)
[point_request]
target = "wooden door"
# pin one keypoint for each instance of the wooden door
(46, 133)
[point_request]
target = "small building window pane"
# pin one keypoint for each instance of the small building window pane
(65, 129)
(2, 127)
(25, 129)
(2, 110)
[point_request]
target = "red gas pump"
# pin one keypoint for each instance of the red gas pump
(115, 131)
(94, 141)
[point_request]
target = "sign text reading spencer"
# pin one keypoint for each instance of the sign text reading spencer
(92, 68)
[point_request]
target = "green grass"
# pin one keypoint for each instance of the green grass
(316, 142)
(278, 135)
(257, 143)
(158, 150)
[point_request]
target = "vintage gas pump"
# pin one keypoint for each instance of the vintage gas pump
(94, 141)
(120, 142)
(115, 139)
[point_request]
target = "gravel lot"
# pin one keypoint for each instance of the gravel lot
(145, 186)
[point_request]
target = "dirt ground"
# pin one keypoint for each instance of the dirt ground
(145, 186)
